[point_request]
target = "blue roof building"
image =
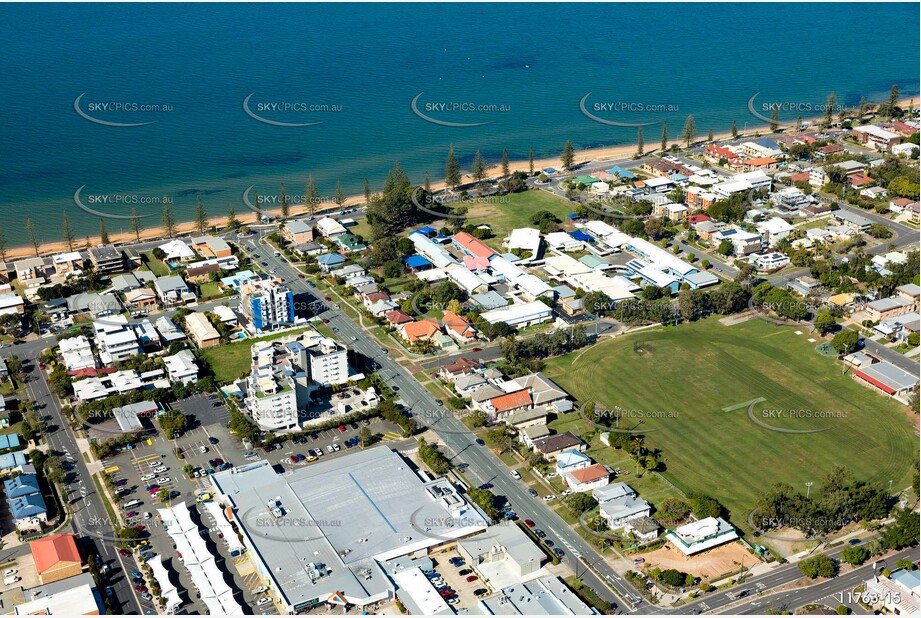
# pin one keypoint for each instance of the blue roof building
(11, 461)
(9, 441)
(237, 280)
(28, 506)
(622, 172)
(580, 235)
(329, 260)
(428, 231)
(22, 485)
(550, 170)
(417, 262)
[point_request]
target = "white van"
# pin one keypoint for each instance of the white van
(131, 504)
(10, 580)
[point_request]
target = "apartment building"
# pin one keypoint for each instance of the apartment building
(266, 304)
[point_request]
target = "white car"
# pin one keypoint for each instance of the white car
(330, 449)
(260, 589)
(147, 515)
(552, 475)
(263, 601)
(203, 449)
(549, 498)
(453, 601)
(567, 492)
(163, 480)
(336, 447)
(148, 477)
(515, 475)
(160, 469)
(9, 572)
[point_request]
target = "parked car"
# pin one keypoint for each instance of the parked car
(124, 552)
(465, 572)
(472, 578)
(148, 477)
(147, 596)
(480, 442)
(147, 515)
(558, 552)
(203, 449)
(136, 574)
(9, 572)
(486, 486)
(533, 492)
(529, 523)
(132, 514)
(480, 591)
(212, 440)
(163, 480)
(260, 589)
(263, 601)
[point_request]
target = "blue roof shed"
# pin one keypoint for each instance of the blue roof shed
(580, 235)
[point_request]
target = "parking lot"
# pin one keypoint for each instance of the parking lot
(329, 442)
(453, 577)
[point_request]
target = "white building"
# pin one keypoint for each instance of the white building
(774, 230)
(115, 339)
(326, 360)
(700, 535)
(77, 353)
(521, 315)
(271, 398)
(330, 228)
(769, 261)
(181, 367)
(266, 303)
(177, 250)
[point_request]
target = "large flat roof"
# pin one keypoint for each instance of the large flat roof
(335, 519)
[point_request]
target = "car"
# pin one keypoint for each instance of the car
(486, 486)
(480, 591)
(147, 596)
(515, 475)
(472, 578)
(342, 428)
(147, 515)
(558, 552)
(152, 487)
(160, 469)
(250, 455)
(148, 477)
(639, 560)
(138, 580)
(311, 459)
(465, 572)
(140, 528)
(124, 552)
(549, 498)
(438, 582)
(121, 482)
(9, 572)
(481, 442)
(196, 473)
(328, 299)
(153, 492)
(439, 402)
(136, 574)
(260, 589)
(301, 276)
(540, 533)
(533, 492)
(854, 542)
(290, 460)
(324, 320)
(452, 601)
(218, 462)
(163, 480)
(140, 588)
(203, 449)
(109, 591)
(567, 492)
(330, 449)
(456, 561)
(336, 447)
(447, 592)
(212, 440)
(263, 601)
(132, 514)
(552, 475)
(529, 523)
(548, 542)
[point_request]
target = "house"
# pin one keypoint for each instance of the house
(66, 263)
(32, 271)
(829, 150)
(26, 504)
(529, 434)
(330, 228)
(760, 163)
(10, 303)
(416, 263)
(181, 367)
(773, 230)
(854, 221)
(528, 418)
(211, 247)
(115, 339)
(177, 250)
(308, 248)
(766, 262)
(543, 390)
(503, 405)
(702, 535)
(56, 557)
(107, 259)
(472, 246)
(877, 137)
(899, 204)
(458, 328)
(396, 317)
(619, 504)
(587, 478)
(201, 271)
(552, 446)
(168, 330)
(172, 290)
(469, 384)
(873, 193)
(125, 283)
(644, 529)
(909, 291)
(571, 460)
(349, 243)
(329, 261)
(460, 367)
(421, 330)
(743, 243)
(898, 593)
(201, 331)
(519, 315)
(297, 232)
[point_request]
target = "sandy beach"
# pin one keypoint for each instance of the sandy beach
(611, 153)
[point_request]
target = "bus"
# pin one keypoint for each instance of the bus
(111, 470)
(131, 504)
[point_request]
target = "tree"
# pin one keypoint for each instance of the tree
(54, 471)
(845, 342)
(33, 239)
(504, 163)
(639, 140)
(825, 321)
(710, 135)
(367, 192)
(879, 230)
(818, 566)
(283, 197)
(855, 555)
(580, 502)
(830, 103)
(427, 182)
(163, 495)
(664, 144)
(735, 130)
(173, 422)
(774, 118)
(531, 160)
(568, 157)
(2, 246)
(479, 167)
(904, 532)
(689, 132)
(169, 223)
(201, 217)
(103, 233)
(704, 506)
(340, 194)
(893, 97)
(452, 169)
(232, 221)
(364, 436)
(136, 224)
(68, 232)
(311, 195)
(674, 510)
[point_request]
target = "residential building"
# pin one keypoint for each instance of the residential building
(458, 328)
(520, 315)
(875, 136)
(619, 504)
(418, 331)
(774, 230)
(330, 228)
(33, 271)
(854, 221)
(56, 557)
(267, 304)
(769, 261)
(168, 330)
(172, 290)
(107, 259)
(297, 232)
(211, 247)
(26, 504)
(886, 308)
(177, 250)
(909, 291)
(644, 529)
(125, 283)
(66, 263)
(115, 339)
(141, 299)
(701, 535)
(77, 353)
(270, 389)
(201, 331)
(898, 594)
(556, 444)
(181, 367)
(460, 367)
(10, 303)
(226, 315)
(588, 478)
(325, 359)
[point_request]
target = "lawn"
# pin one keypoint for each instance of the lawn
(514, 211)
(156, 266)
(232, 361)
(692, 372)
(210, 290)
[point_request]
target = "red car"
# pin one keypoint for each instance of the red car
(325, 321)
(472, 578)
(139, 528)
(476, 350)
(124, 552)
(341, 427)
(328, 299)
(529, 523)
(447, 592)
(141, 588)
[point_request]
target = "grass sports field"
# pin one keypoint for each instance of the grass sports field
(696, 370)
(514, 211)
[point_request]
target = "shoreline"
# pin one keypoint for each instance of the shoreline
(604, 153)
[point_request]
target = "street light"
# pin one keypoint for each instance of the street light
(808, 487)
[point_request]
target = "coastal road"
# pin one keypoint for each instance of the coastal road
(90, 520)
(484, 464)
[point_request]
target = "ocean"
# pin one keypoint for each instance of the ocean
(512, 76)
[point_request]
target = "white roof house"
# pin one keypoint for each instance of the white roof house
(77, 353)
(466, 279)
(703, 534)
(561, 241)
(181, 367)
(523, 314)
(177, 250)
(329, 227)
(432, 251)
(525, 238)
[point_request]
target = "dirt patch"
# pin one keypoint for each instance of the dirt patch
(737, 319)
(712, 563)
